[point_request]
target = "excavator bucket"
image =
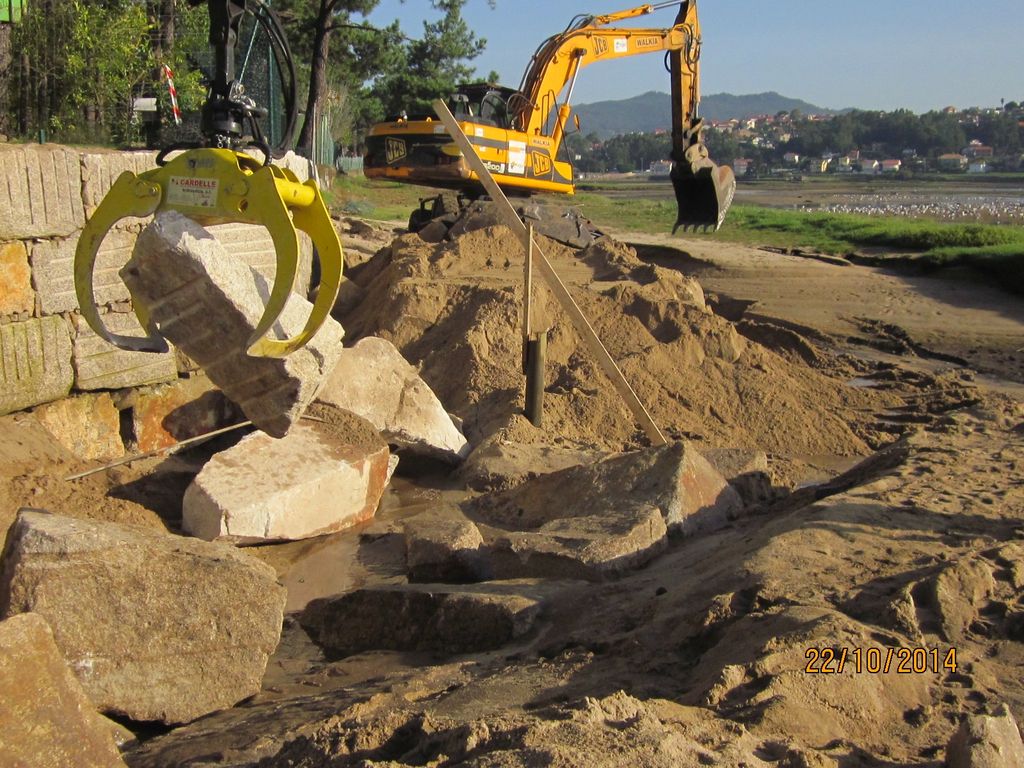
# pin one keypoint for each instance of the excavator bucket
(703, 196)
(218, 186)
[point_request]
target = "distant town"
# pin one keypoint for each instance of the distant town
(900, 143)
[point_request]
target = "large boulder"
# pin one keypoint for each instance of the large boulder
(675, 479)
(323, 477)
(443, 549)
(46, 720)
(607, 543)
(498, 464)
(373, 380)
(604, 518)
(208, 302)
(439, 619)
(986, 741)
(155, 627)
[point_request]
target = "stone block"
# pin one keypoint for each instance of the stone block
(449, 620)
(169, 413)
(16, 296)
(53, 271)
(46, 720)
(251, 243)
(986, 741)
(322, 477)
(373, 380)
(101, 169)
(439, 549)
(735, 462)
(42, 196)
(101, 365)
(295, 163)
(499, 464)
(673, 478)
(208, 303)
(89, 425)
(35, 362)
(155, 627)
(592, 547)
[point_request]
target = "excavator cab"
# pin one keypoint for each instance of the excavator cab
(481, 103)
(213, 181)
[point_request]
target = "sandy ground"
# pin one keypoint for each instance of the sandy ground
(953, 313)
(724, 651)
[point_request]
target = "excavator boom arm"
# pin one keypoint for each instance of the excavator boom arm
(560, 58)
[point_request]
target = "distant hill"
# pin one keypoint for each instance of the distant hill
(653, 110)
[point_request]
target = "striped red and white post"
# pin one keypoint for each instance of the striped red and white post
(174, 94)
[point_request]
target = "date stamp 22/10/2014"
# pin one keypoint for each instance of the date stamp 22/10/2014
(878, 660)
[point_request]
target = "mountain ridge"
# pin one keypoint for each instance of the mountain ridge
(652, 111)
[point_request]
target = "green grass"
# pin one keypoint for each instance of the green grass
(384, 200)
(638, 214)
(997, 250)
(838, 233)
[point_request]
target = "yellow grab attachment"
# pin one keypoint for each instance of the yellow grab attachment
(218, 186)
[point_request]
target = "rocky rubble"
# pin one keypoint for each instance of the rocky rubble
(46, 720)
(324, 476)
(562, 597)
(155, 627)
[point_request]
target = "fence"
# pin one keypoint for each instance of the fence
(11, 10)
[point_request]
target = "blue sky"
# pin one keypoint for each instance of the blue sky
(870, 54)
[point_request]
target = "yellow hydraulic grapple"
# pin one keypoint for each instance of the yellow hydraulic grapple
(215, 183)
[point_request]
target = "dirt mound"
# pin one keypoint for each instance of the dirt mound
(454, 309)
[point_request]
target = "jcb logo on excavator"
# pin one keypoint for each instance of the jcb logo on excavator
(541, 164)
(394, 149)
(600, 46)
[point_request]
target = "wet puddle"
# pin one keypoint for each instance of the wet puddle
(371, 554)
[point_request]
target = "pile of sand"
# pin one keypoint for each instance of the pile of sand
(454, 308)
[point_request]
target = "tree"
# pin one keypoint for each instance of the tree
(312, 27)
(79, 66)
(432, 66)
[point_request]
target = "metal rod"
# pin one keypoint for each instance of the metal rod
(590, 338)
(536, 354)
(158, 451)
(575, 75)
(527, 300)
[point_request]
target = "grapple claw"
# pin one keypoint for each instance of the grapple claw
(129, 196)
(217, 186)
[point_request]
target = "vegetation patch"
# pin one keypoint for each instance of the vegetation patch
(355, 195)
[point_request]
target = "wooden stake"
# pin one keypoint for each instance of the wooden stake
(579, 320)
(528, 287)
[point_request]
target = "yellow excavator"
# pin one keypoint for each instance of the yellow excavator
(519, 134)
(213, 181)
